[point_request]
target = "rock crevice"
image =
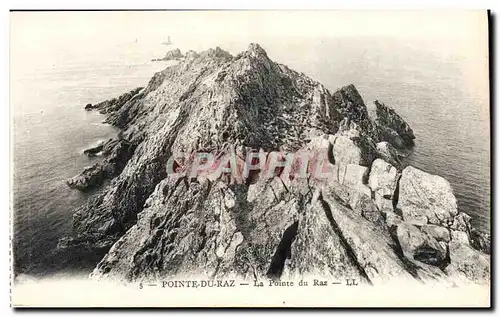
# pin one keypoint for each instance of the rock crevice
(350, 252)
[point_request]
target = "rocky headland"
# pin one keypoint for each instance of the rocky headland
(375, 220)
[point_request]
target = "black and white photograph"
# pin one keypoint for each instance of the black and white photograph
(197, 158)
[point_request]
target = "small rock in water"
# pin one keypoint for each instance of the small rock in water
(94, 150)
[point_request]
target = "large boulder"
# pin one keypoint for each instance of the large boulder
(383, 182)
(350, 146)
(352, 175)
(349, 185)
(344, 150)
(420, 246)
(426, 198)
(349, 180)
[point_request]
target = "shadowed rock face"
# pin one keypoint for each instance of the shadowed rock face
(358, 224)
(116, 152)
(389, 122)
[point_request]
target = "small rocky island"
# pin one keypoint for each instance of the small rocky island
(377, 220)
(175, 55)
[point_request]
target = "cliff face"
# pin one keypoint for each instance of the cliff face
(374, 219)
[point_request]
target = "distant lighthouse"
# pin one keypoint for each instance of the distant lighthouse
(168, 42)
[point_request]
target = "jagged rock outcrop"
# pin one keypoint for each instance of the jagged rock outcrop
(369, 219)
(114, 104)
(393, 127)
(351, 105)
(116, 152)
(174, 54)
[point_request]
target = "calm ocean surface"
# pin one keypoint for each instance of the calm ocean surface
(432, 90)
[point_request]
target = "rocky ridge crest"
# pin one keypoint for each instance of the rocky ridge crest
(376, 220)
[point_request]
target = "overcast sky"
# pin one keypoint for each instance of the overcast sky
(39, 27)
(46, 38)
